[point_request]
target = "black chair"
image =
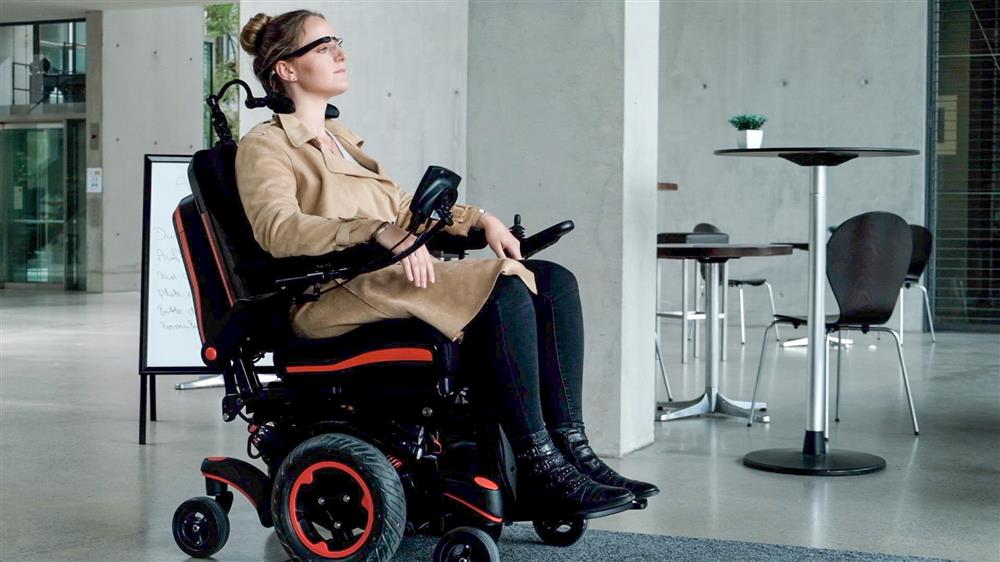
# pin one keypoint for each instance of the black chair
(739, 284)
(867, 261)
(923, 244)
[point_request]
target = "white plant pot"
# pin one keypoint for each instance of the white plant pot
(750, 138)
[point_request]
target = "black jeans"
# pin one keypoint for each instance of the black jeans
(526, 351)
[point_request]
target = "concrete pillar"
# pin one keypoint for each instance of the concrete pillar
(562, 121)
(151, 103)
(94, 237)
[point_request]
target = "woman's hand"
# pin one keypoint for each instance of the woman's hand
(498, 236)
(419, 266)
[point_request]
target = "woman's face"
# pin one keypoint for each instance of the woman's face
(323, 70)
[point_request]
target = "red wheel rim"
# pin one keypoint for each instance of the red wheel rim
(304, 489)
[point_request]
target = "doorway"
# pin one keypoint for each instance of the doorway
(41, 205)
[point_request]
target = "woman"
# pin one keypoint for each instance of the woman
(308, 189)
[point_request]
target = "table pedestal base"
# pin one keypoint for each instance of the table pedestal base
(666, 411)
(833, 463)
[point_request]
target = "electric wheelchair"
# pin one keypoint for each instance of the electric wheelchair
(367, 436)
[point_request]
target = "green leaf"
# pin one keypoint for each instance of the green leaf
(747, 121)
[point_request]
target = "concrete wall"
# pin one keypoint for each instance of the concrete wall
(151, 104)
(825, 74)
(407, 65)
(555, 133)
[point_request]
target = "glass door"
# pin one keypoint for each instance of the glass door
(964, 164)
(35, 206)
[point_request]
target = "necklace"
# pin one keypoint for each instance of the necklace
(332, 147)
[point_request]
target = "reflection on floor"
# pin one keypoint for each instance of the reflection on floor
(74, 485)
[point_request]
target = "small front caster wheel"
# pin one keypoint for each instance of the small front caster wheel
(494, 531)
(201, 527)
(560, 532)
(466, 544)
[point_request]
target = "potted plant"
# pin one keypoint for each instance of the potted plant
(748, 126)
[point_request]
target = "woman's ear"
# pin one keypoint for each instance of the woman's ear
(285, 71)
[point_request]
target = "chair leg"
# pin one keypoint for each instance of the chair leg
(902, 311)
(663, 372)
(840, 347)
(743, 329)
(906, 379)
(927, 305)
(685, 293)
(760, 367)
(770, 295)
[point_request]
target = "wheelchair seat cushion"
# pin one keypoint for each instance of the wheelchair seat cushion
(379, 343)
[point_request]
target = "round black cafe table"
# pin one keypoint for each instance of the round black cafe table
(713, 402)
(813, 458)
(795, 245)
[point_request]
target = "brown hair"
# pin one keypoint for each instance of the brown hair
(267, 38)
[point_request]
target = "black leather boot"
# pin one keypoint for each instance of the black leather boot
(573, 444)
(550, 486)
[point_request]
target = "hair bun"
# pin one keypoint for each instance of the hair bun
(251, 33)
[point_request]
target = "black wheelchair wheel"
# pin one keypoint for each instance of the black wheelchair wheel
(336, 497)
(560, 532)
(201, 527)
(466, 544)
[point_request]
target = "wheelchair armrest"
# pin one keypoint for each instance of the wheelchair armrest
(453, 244)
(351, 257)
(457, 245)
(541, 240)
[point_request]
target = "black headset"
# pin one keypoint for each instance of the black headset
(276, 102)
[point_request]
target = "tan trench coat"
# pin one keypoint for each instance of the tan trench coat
(302, 200)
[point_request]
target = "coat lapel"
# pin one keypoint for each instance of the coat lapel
(299, 135)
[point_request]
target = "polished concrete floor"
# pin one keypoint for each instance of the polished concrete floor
(74, 485)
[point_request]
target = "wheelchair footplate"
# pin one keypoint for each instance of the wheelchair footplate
(222, 472)
(481, 498)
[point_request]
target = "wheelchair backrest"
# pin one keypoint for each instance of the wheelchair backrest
(223, 260)
(212, 175)
(209, 286)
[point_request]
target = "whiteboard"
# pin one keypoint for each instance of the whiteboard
(169, 339)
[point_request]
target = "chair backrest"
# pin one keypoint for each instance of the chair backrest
(923, 243)
(867, 259)
(708, 228)
(207, 281)
(212, 175)
(223, 260)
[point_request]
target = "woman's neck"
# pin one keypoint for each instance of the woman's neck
(312, 113)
